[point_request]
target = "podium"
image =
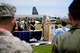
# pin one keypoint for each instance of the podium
(48, 30)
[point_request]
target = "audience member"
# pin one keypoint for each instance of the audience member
(60, 30)
(9, 43)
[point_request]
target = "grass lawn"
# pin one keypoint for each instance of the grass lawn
(42, 48)
(38, 26)
(69, 26)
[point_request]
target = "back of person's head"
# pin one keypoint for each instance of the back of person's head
(56, 27)
(7, 13)
(74, 9)
(64, 23)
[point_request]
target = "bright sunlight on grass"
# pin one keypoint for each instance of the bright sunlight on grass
(42, 48)
(38, 26)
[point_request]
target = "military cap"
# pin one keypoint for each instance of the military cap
(7, 10)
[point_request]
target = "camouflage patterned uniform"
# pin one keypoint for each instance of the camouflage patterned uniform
(11, 44)
(68, 42)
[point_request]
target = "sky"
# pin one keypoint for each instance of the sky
(53, 8)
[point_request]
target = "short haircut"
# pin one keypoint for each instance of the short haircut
(74, 9)
(64, 23)
(56, 27)
(6, 17)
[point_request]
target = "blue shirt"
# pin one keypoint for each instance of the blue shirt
(59, 31)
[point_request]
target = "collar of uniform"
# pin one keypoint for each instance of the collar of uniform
(77, 26)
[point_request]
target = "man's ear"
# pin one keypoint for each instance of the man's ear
(13, 21)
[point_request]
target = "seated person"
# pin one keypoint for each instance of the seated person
(60, 30)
